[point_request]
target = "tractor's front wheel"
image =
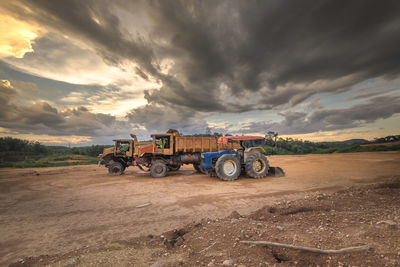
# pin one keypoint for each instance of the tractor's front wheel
(158, 169)
(116, 168)
(228, 167)
(257, 166)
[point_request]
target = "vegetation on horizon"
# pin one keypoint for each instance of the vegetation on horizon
(290, 146)
(20, 153)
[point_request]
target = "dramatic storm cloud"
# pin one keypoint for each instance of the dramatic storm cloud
(321, 66)
(332, 119)
(42, 118)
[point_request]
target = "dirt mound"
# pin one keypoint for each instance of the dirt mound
(367, 215)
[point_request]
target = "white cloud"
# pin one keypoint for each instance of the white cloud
(69, 60)
(18, 41)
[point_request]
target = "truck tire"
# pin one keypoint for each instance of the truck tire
(158, 169)
(198, 168)
(228, 167)
(115, 168)
(174, 168)
(257, 166)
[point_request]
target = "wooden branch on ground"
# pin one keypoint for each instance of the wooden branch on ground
(143, 205)
(207, 248)
(314, 250)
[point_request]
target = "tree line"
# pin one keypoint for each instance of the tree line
(15, 149)
(290, 146)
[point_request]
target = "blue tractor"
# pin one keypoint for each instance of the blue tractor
(229, 164)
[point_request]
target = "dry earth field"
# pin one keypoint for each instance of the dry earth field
(81, 216)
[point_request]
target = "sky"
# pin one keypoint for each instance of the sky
(86, 72)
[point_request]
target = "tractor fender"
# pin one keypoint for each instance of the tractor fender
(251, 150)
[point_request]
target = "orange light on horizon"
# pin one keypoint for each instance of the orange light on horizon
(16, 37)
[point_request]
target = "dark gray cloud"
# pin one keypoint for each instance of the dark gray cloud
(92, 21)
(160, 119)
(42, 118)
(280, 52)
(329, 119)
(271, 49)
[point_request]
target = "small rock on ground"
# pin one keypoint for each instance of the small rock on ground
(228, 262)
(71, 262)
(157, 264)
(389, 223)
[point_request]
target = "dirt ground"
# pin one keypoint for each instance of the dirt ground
(81, 216)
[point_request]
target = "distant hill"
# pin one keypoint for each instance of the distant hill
(347, 142)
(352, 141)
(393, 143)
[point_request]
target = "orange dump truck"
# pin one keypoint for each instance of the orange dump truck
(166, 152)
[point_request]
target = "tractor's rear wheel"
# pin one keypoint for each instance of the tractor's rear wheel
(257, 166)
(174, 167)
(116, 168)
(198, 168)
(228, 167)
(158, 169)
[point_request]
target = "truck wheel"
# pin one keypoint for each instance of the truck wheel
(257, 166)
(174, 167)
(199, 169)
(228, 167)
(116, 168)
(158, 169)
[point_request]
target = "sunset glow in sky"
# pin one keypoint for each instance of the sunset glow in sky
(87, 72)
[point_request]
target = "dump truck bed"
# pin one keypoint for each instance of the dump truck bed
(185, 144)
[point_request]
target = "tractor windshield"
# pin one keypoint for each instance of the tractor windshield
(253, 143)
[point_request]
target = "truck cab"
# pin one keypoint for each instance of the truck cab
(123, 148)
(119, 156)
(163, 144)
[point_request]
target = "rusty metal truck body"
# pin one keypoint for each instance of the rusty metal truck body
(166, 152)
(170, 151)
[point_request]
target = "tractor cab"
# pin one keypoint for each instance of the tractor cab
(248, 144)
(244, 141)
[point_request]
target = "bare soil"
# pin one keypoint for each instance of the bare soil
(81, 216)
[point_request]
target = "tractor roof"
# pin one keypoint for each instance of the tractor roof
(227, 139)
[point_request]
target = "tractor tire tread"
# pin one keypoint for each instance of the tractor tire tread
(249, 166)
(219, 170)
